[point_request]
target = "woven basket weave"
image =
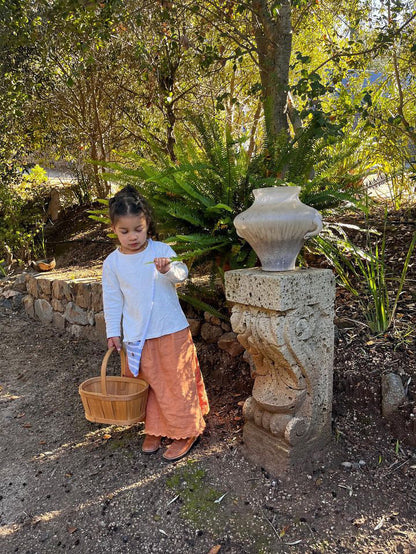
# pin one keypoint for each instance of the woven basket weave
(114, 400)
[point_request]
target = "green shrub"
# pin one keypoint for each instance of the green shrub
(21, 211)
(366, 274)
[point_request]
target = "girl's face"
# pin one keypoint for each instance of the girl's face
(131, 231)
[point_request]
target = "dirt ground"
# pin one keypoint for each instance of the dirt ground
(68, 484)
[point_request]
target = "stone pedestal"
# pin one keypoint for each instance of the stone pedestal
(284, 320)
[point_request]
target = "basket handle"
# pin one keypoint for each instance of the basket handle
(104, 368)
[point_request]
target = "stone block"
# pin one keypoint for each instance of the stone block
(44, 288)
(58, 305)
(229, 343)
(43, 310)
(194, 326)
(92, 334)
(210, 318)
(83, 295)
(20, 283)
(280, 290)
(32, 285)
(76, 315)
(284, 320)
(62, 290)
(100, 324)
(58, 320)
(96, 297)
(28, 305)
(210, 333)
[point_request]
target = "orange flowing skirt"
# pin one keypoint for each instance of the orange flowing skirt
(177, 400)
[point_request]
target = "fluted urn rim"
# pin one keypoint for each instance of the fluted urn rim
(280, 191)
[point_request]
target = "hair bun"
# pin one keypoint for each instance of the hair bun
(128, 190)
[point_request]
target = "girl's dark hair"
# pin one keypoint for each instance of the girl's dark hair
(128, 201)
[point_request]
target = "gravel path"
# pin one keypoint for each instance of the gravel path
(68, 484)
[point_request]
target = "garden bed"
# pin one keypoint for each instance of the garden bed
(70, 484)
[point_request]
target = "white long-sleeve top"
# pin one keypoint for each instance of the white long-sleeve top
(127, 294)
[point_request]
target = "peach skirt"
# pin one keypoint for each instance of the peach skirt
(177, 398)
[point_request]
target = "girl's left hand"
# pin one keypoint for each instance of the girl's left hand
(162, 264)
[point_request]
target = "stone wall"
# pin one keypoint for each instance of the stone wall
(76, 306)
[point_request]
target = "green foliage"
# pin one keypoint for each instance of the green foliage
(366, 274)
(196, 199)
(320, 159)
(21, 211)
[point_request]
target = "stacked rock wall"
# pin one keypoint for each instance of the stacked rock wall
(76, 306)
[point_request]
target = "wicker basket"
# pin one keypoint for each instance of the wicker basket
(114, 400)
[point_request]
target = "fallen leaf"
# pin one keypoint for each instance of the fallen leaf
(220, 498)
(241, 403)
(20, 415)
(27, 425)
(215, 549)
(379, 524)
(42, 442)
(72, 529)
(106, 436)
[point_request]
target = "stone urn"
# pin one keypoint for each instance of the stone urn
(276, 226)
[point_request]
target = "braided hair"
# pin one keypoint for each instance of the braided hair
(129, 202)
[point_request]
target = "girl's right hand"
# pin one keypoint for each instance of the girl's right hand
(114, 342)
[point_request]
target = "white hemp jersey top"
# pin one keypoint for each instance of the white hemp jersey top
(127, 294)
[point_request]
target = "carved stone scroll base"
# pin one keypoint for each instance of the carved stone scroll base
(285, 322)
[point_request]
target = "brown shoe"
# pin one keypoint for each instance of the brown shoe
(179, 448)
(151, 444)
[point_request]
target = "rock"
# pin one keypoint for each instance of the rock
(20, 283)
(32, 285)
(75, 330)
(57, 305)
(43, 310)
(44, 288)
(195, 326)
(100, 325)
(17, 300)
(92, 334)
(346, 465)
(58, 320)
(29, 306)
(62, 290)
(229, 343)
(83, 295)
(209, 318)
(210, 333)
(392, 392)
(96, 297)
(76, 315)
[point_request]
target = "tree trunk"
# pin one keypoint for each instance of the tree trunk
(273, 34)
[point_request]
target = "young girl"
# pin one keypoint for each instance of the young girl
(156, 333)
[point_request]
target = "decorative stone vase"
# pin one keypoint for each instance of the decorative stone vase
(276, 226)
